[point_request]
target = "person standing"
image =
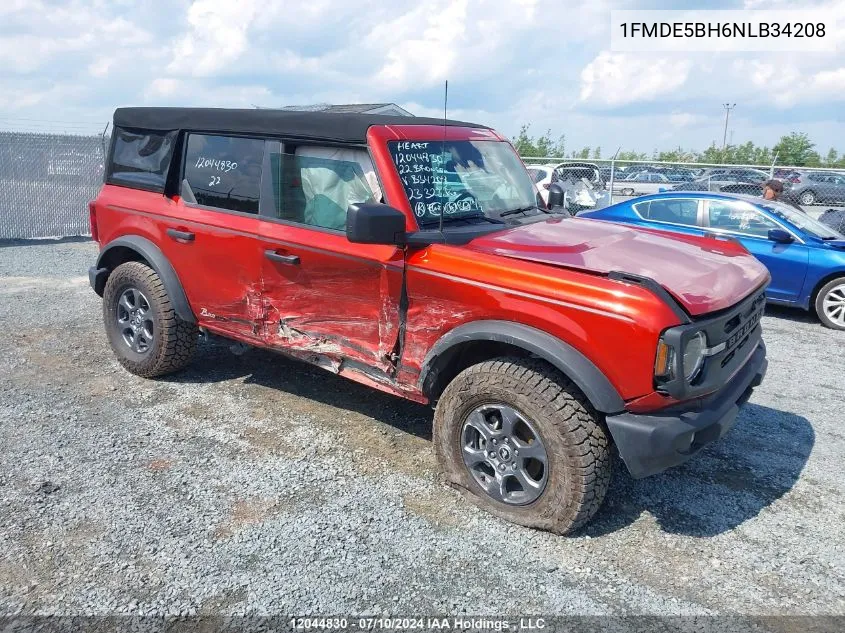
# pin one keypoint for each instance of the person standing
(773, 190)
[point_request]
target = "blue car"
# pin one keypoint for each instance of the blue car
(805, 257)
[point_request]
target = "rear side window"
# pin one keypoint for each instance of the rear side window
(225, 171)
(141, 158)
(683, 212)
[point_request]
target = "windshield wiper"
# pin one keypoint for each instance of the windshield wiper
(519, 210)
(434, 223)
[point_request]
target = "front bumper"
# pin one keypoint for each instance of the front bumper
(649, 444)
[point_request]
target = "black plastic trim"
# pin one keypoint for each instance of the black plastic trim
(159, 263)
(97, 278)
(649, 444)
(577, 367)
(659, 291)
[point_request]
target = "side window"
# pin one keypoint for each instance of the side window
(684, 212)
(141, 158)
(739, 218)
(225, 171)
(315, 185)
(537, 174)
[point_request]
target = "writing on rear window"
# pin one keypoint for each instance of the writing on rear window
(213, 163)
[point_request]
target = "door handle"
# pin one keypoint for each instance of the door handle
(176, 234)
(282, 259)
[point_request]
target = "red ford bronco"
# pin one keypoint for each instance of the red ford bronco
(412, 255)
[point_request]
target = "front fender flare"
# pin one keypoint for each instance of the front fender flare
(568, 360)
(157, 261)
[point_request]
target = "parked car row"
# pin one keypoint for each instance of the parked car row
(412, 255)
(806, 187)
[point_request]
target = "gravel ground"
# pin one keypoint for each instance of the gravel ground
(255, 484)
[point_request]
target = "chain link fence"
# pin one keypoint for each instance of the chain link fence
(592, 183)
(46, 182)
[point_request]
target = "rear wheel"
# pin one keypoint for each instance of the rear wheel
(519, 440)
(145, 333)
(627, 192)
(807, 197)
(830, 304)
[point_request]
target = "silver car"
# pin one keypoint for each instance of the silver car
(641, 183)
(814, 187)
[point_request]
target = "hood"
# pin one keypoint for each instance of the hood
(704, 274)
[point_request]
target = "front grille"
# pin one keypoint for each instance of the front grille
(734, 327)
(738, 328)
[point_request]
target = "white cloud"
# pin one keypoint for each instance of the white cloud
(623, 78)
(508, 62)
(684, 119)
(218, 36)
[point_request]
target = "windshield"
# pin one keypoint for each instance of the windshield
(463, 179)
(800, 220)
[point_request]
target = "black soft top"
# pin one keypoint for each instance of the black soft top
(328, 126)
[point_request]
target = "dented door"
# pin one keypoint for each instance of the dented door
(214, 254)
(331, 300)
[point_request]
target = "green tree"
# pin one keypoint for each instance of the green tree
(796, 149)
(679, 155)
(630, 155)
(544, 144)
(527, 146)
(523, 143)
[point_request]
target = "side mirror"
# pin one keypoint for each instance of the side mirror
(375, 223)
(555, 196)
(780, 236)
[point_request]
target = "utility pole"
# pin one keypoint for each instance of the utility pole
(728, 108)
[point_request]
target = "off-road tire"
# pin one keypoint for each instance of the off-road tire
(174, 341)
(575, 438)
(819, 303)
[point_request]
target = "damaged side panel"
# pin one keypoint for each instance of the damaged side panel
(337, 307)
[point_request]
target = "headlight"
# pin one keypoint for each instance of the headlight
(694, 354)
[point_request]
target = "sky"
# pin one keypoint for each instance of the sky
(66, 64)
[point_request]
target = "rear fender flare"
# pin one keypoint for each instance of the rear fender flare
(157, 261)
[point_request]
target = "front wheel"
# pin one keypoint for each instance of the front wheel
(147, 336)
(522, 442)
(830, 304)
(627, 192)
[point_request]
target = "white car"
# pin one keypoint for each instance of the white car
(542, 177)
(582, 183)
